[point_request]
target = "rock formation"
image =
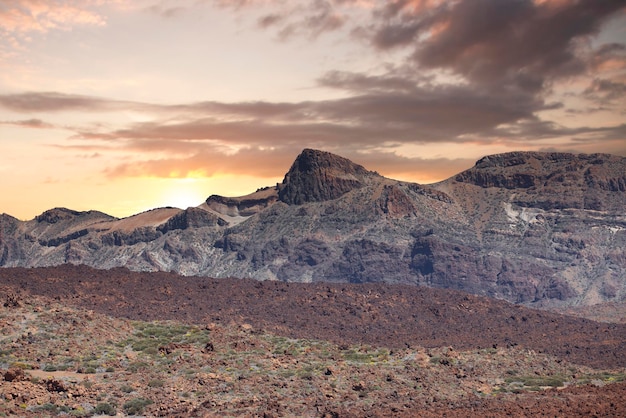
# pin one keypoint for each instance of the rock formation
(317, 176)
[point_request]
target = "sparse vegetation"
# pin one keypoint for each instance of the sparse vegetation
(534, 382)
(125, 364)
(136, 406)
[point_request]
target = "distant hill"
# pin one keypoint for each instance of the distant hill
(546, 229)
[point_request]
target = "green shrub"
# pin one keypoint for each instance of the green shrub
(127, 388)
(136, 406)
(105, 409)
(155, 383)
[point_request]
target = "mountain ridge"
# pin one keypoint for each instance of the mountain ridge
(545, 229)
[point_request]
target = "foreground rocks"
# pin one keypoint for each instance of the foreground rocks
(60, 358)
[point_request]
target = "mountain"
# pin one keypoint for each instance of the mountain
(543, 229)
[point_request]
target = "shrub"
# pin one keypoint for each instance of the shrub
(20, 365)
(136, 406)
(105, 409)
(127, 388)
(155, 383)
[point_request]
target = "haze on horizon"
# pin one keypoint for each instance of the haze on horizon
(122, 106)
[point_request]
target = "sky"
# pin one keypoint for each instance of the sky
(123, 106)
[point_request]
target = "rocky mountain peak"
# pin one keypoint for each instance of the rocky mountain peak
(317, 176)
(526, 170)
(55, 215)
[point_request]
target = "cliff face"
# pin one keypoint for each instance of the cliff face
(317, 176)
(553, 180)
(533, 228)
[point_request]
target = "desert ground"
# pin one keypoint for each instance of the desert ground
(75, 341)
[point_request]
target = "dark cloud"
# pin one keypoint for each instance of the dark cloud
(520, 43)
(360, 83)
(606, 92)
(399, 23)
(389, 110)
(611, 50)
(420, 115)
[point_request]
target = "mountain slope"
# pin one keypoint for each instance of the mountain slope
(535, 228)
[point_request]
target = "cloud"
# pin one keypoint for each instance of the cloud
(360, 83)
(319, 18)
(310, 18)
(29, 123)
(518, 44)
(56, 102)
(606, 92)
(384, 112)
(611, 56)
(23, 16)
(388, 109)
(478, 72)
(422, 116)
(165, 11)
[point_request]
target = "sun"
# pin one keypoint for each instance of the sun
(182, 193)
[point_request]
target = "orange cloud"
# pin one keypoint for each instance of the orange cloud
(23, 16)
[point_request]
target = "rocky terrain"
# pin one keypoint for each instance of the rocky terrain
(76, 341)
(541, 229)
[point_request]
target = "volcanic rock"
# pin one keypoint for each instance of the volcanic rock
(318, 176)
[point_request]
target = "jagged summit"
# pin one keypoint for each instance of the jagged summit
(317, 176)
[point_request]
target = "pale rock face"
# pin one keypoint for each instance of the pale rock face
(543, 229)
